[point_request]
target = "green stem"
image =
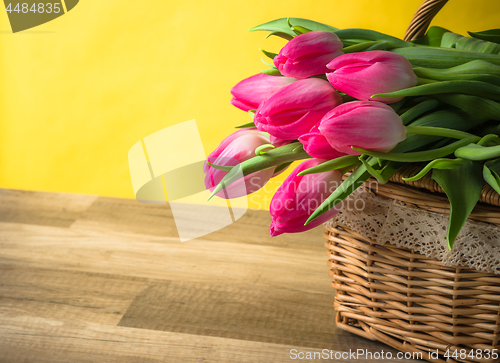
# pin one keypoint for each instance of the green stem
(278, 156)
(438, 131)
(489, 139)
(359, 47)
(476, 88)
(356, 33)
(262, 149)
(418, 110)
(419, 156)
(219, 167)
(425, 81)
(338, 163)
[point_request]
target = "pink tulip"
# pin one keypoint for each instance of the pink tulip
(367, 125)
(234, 149)
(299, 196)
(361, 75)
(316, 145)
(279, 142)
(294, 109)
(249, 93)
(308, 54)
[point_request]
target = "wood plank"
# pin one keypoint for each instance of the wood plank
(28, 339)
(46, 209)
(127, 217)
(66, 295)
(235, 295)
(164, 259)
(240, 311)
(130, 217)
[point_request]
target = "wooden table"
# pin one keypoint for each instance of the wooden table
(96, 279)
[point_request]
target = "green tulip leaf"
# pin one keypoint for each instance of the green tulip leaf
(463, 187)
(473, 105)
(449, 39)
(272, 72)
(432, 37)
(281, 26)
(353, 181)
(476, 70)
(437, 164)
(368, 46)
(330, 165)
(269, 54)
(220, 167)
(491, 172)
(300, 29)
(371, 35)
(381, 175)
(457, 120)
(281, 35)
(268, 64)
(249, 125)
(436, 57)
(478, 152)
(457, 41)
(492, 35)
(477, 45)
(418, 110)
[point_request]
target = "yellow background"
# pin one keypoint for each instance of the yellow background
(78, 92)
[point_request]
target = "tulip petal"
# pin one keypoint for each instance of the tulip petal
(236, 148)
(294, 109)
(363, 74)
(373, 125)
(299, 196)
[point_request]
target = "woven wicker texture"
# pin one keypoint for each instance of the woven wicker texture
(409, 301)
(422, 18)
(488, 195)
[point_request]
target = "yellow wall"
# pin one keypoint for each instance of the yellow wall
(78, 92)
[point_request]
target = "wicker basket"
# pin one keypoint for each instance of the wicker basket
(405, 299)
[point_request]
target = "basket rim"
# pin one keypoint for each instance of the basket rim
(488, 194)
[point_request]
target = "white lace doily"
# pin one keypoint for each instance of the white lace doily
(390, 221)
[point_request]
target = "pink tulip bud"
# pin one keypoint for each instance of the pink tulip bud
(361, 75)
(308, 54)
(316, 145)
(299, 196)
(249, 93)
(235, 149)
(367, 125)
(294, 109)
(279, 142)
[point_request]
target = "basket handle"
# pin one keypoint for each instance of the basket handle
(422, 18)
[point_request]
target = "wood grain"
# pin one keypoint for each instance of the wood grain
(53, 341)
(69, 296)
(93, 279)
(45, 209)
(237, 311)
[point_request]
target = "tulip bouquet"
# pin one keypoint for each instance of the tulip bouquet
(361, 102)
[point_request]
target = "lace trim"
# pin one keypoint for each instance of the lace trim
(390, 221)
